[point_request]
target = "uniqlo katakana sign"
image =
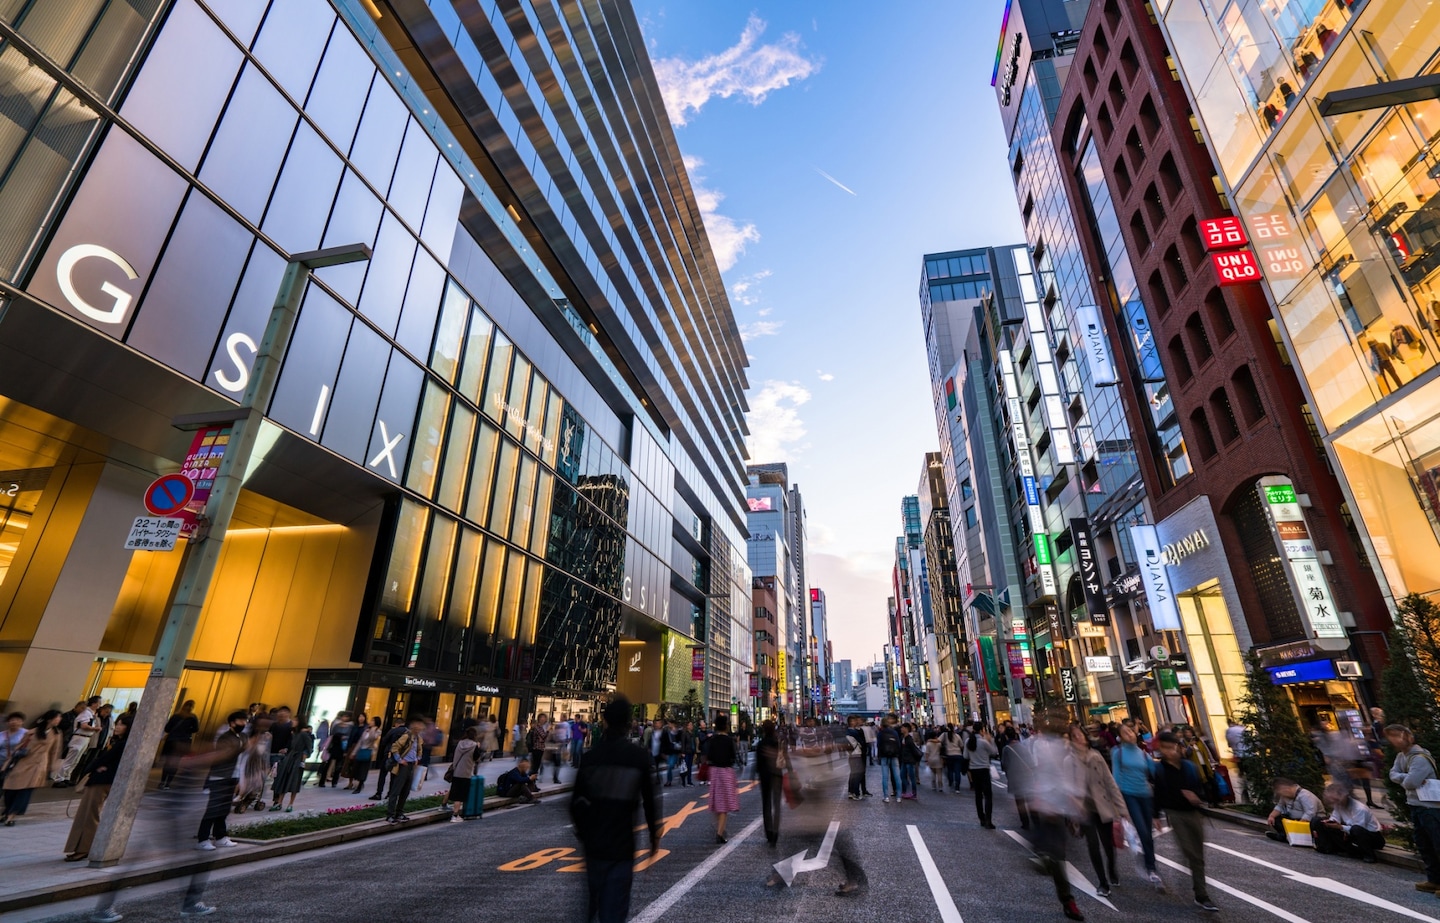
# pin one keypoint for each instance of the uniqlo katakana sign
(1223, 233)
(1236, 267)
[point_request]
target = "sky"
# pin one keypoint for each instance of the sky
(831, 145)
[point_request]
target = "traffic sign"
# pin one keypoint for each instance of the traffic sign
(168, 494)
(153, 533)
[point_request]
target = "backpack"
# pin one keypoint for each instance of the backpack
(888, 742)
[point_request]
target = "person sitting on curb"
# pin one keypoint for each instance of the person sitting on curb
(1351, 829)
(519, 783)
(1291, 803)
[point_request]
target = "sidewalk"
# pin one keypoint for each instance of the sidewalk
(162, 844)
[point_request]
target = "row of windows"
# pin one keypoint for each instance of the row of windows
(950, 267)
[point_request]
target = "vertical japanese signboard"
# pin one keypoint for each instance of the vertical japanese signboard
(1087, 563)
(1302, 559)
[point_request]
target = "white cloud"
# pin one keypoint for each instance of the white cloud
(764, 312)
(746, 68)
(824, 376)
(760, 328)
(728, 237)
(747, 292)
(776, 429)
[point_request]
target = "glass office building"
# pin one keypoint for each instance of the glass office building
(1340, 210)
(503, 456)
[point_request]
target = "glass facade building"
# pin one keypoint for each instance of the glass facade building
(501, 454)
(1339, 211)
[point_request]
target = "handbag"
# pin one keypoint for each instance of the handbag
(449, 774)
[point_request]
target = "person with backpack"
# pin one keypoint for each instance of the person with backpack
(1180, 793)
(1414, 771)
(887, 745)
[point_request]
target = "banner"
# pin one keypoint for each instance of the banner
(697, 664)
(754, 685)
(201, 465)
(1097, 349)
(1164, 615)
(1087, 562)
(1016, 658)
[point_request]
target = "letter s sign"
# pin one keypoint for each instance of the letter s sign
(65, 270)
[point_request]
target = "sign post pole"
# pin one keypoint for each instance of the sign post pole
(118, 816)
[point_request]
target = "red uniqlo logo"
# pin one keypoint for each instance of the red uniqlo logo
(1223, 233)
(1270, 226)
(1236, 268)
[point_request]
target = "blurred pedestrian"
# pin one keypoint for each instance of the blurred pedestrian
(910, 757)
(888, 745)
(855, 739)
(614, 779)
(253, 767)
(1179, 793)
(979, 751)
(332, 761)
(1101, 805)
(81, 728)
(180, 733)
(1134, 773)
(290, 771)
(10, 737)
(397, 728)
(97, 788)
(36, 757)
(1350, 828)
(1050, 797)
(489, 741)
(770, 767)
(362, 755)
(720, 756)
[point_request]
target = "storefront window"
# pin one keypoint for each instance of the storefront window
(477, 348)
(425, 637)
(457, 456)
(1335, 364)
(1230, 114)
(1215, 659)
(460, 610)
(1392, 464)
(1349, 68)
(1400, 35)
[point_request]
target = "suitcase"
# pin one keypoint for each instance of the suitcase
(475, 799)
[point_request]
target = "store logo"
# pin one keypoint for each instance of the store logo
(9, 490)
(65, 272)
(418, 681)
(635, 662)
(1178, 551)
(488, 690)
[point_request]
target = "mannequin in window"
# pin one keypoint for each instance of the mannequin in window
(1271, 114)
(1379, 357)
(1405, 343)
(1287, 92)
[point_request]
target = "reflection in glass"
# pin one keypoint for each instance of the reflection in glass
(477, 349)
(429, 438)
(497, 380)
(425, 636)
(457, 457)
(482, 473)
(445, 358)
(388, 645)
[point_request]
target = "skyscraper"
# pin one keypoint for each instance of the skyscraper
(484, 441)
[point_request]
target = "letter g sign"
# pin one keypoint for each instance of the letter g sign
(65, 270)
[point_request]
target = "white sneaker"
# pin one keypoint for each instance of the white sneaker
(456, 819)
(205, 844)
(197, 909)
(108, 915)
(225, 841)
(887, 799)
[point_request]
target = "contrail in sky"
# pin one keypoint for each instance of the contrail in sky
(836, 181)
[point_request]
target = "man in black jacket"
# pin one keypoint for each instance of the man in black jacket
(614, 778)
(382, 754)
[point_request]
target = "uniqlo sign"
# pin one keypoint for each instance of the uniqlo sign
(1280, 255)
(1236, 267)
(1223, 233)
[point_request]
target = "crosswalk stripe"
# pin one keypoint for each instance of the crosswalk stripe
(949, 913)
(1236, 892)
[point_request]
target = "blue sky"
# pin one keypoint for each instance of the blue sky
(894, 103)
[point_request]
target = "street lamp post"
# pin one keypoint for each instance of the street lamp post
(202, 556)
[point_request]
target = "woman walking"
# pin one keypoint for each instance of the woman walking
(979, 751)
(290, 772)
(180, 733)
(38, 755)
(362, 755)
(910, 757)
(720, 756)
(1101, 804)
(464, 766)
(1134, 774)
(97, 789)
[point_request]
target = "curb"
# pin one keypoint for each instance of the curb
(1387, 856)
(257, 850)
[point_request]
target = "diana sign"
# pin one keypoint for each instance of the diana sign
(1175, 552)
(1097, 350)
(1164, 615)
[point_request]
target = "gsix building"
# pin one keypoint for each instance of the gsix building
(503, 466)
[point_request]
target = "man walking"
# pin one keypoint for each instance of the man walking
(615, 777)
(1179, 794)
(391, 736)
(404, 756)
(1413, 767)
(887, 744)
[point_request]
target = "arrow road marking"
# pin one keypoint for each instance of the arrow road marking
(1331, 885)
(1236, 892)
(949, 913)
(790, 867)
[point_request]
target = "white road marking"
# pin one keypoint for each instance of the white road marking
(670, 898)
(949, 913)
(1236, 892)
(1078, 882)
(791, 866)
(1331, 885)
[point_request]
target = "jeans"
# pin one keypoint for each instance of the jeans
(1426, 822)
(217, 809)
(956, 768)
(909, 778)
(889, 776)
(1189, 830)
(670, 761)
(857, 775)
(609, 883)
(17, 800)
(1142, 815)
(400, 791)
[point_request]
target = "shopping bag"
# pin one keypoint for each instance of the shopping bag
(1297, 832)
(1126, 836)
(703, 773)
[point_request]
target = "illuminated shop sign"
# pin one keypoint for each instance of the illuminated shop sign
(1175, 552)
(1234, 263)
(1097, 350)
(1308, 671)
(1088, 563)
(420, 682)
(1164, 614)
(1317, 603)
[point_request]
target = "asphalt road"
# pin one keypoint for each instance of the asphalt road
(924, 861)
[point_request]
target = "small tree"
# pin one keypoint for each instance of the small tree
(1274, 743)
(1409, 685)
(690, 707)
